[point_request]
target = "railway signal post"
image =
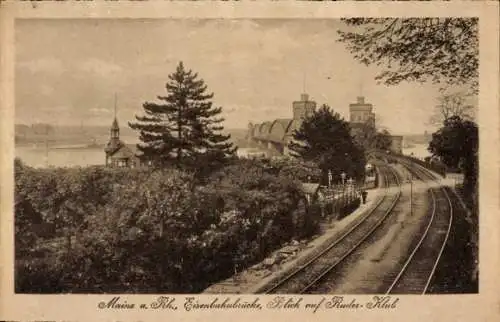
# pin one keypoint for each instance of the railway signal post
(411, 193)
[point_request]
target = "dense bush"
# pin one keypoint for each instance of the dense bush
(140, 230)
(349, 208)
(290, 168)
(298, 170)
(25, 220)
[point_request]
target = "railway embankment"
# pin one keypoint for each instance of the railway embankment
(457, 270)
(369, 268)
(282, 261)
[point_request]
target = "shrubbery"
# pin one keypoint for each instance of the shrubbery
(349, 208)
(141, 230)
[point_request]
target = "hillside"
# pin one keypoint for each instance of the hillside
(40, 133)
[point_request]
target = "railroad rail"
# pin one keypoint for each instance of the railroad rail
(417, 272)
(311, 273)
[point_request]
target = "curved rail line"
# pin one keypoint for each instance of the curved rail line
(310, 273)
(409, 278)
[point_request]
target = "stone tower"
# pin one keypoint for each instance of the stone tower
(303, 108)
(361, 112)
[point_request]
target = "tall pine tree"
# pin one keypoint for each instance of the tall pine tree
(185, 128)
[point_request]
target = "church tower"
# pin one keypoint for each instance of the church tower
(114, 142)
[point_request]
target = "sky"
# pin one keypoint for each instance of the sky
(68, 71)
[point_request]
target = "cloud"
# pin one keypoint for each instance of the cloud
(232, 24)
(40, 65)
(99, 110)
(230, 110)
(56, 108)
(256, 68)
(100, 67)
(46, 90)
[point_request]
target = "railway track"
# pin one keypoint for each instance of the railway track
(417, 272)
(311, 273)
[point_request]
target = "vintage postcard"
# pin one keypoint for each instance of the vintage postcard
(300, 161)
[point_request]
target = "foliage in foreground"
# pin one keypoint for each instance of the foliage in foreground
(133, 230)
(444, 50)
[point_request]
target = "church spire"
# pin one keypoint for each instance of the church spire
(115, 129)
(114, 134)
(115, 106)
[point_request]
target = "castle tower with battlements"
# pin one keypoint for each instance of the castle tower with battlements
(361, 112)
(303, 108)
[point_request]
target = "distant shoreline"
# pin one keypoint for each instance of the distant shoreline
(69, 155)
(41, 146)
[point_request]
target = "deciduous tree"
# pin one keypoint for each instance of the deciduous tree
(367, 136)
(456, 144)
(450, 105)
(325, 138)
(444, 50)
(382, 140)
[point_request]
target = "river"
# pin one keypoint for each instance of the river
(70, 157)
(419, 151)
(84, 156)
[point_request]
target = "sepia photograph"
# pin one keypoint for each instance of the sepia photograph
(246, 156)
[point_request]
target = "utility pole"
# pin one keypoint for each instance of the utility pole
(47, 145)
(411, 193)
(115, 104)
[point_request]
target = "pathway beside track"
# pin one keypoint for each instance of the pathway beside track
(256, 278)
(308, 276)
(363, 271)
(417, 272)
(382, 263)
(384, 260)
